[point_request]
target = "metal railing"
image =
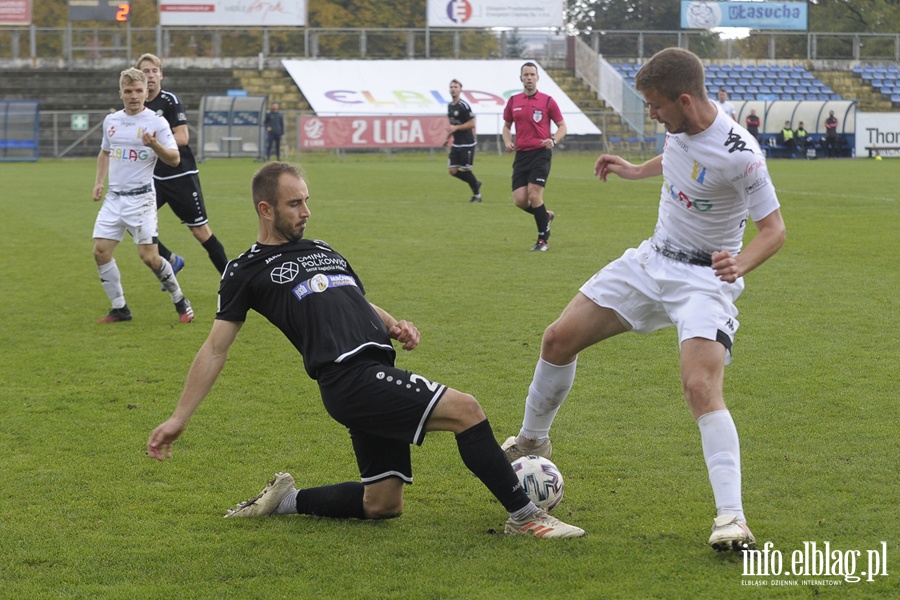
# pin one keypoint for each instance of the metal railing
(32, 46)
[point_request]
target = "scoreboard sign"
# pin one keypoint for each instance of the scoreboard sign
(99, 10)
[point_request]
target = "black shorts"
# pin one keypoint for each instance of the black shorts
(184, 197)
(531, 166)
(461, 157)
(384, 408)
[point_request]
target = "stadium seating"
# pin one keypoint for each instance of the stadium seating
(758, 82)
(884, 79)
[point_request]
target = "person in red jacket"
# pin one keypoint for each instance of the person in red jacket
(753, 123)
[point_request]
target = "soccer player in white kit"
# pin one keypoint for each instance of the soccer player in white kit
(688, 274)
(133, 138)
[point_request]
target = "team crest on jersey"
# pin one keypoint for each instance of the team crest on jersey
(285, 272)
(538, 116)
(318, 283)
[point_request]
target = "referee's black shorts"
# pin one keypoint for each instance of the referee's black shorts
(531, 166)
(384, 408)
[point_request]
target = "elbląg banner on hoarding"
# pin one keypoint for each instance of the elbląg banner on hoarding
(421, 87)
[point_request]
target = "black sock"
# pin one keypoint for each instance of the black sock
(541, 218)
(163, 251)
(338, 501)
(216, 253)
(469, 178)
(483, 456)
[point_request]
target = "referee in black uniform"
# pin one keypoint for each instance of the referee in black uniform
(310, 292)
(179, 187)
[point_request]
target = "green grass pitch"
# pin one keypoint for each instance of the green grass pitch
(84, 513)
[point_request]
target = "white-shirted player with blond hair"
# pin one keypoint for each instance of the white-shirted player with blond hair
(133, 139)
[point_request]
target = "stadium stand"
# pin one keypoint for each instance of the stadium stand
(756, 82)
(883, 79)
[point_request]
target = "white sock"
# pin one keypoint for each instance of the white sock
(548, 389)
(166, 276)
(524, 512)
(722, 452)
(111, 281)
(288, 505)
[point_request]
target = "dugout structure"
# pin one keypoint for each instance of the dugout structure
(232, 127)
(19, 130)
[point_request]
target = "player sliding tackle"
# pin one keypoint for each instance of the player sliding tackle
(314, 297)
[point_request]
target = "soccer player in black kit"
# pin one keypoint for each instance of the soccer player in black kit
(311, 293)
(461, 137)
(179, 187)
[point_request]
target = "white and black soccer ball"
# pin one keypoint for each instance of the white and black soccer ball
(541, 479)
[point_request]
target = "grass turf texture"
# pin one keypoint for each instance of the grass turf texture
(85, 514)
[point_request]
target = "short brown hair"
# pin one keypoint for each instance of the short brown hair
(267, 180)
(672, 72)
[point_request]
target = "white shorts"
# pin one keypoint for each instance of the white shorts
(650, 291)
(134, 214)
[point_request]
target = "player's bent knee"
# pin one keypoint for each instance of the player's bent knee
(555, 347)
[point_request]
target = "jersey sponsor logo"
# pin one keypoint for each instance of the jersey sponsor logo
(686, 201)
(285, 273)
(736, 142)
(322, 262)
(318, 283)
(757, 185)
(537, 116)
(129, 154)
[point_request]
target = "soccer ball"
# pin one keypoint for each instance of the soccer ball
(541, 479)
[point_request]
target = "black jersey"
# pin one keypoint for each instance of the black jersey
(458, 114)
(309, 292)
(167, 105)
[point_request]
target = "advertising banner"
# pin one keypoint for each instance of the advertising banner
(792, 16)
(246, 13)
(877, 134)
(15, 12)
(495, 13)
(372, 132)
(421, 87)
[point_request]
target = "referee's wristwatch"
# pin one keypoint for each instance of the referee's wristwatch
(553, 140)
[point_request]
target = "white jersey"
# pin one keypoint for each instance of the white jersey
(711, 182)
(131, 163)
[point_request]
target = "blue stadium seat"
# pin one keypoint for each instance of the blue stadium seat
(895, 98)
